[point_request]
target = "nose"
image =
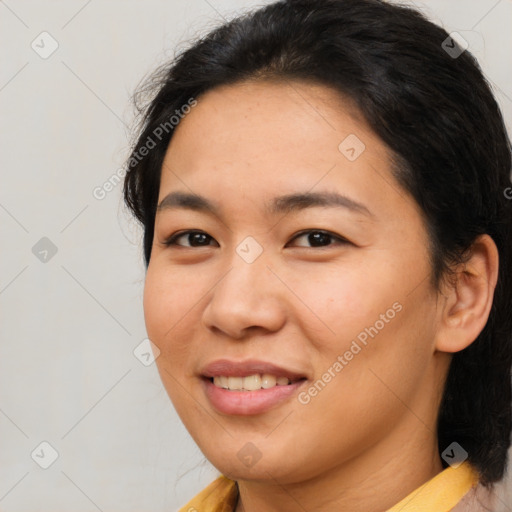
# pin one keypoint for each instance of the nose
(249, 296)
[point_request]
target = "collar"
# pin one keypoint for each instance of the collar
(441, 493)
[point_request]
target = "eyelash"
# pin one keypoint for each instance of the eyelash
(171, 241)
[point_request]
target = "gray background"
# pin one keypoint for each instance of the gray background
(70, 321)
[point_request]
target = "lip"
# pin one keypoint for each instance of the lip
(245, 403)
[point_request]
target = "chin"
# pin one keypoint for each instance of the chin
(249, 463)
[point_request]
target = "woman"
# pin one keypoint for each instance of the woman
(326, 233)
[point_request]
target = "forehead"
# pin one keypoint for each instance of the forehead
(254, 141)
(272, 126)
(292, 110)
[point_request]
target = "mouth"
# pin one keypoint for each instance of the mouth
(249, 387)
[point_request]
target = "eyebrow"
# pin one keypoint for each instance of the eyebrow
(281, 204)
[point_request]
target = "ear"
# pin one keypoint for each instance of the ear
(468, 298)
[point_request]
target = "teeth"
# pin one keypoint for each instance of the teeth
(251, 382)
(235, 382)
(268, 381)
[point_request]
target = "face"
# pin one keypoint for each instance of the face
(303, 260)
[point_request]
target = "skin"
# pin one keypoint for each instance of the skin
(298, 305)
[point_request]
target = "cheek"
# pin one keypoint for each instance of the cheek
(343, 302)
(165, 310)
(154, 305)
(362, 387)
(165, 314)
(370, 318)
(386, 355)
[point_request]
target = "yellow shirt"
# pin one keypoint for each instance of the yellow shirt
(440, 494)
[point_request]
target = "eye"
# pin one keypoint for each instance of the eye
(193, 237)
(196, 238)
(319, 238)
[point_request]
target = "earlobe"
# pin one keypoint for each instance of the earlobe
(468, 297)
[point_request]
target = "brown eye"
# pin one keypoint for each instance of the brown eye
(318, 238)
(194, 238)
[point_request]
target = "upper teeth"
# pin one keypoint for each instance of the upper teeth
(251, 382)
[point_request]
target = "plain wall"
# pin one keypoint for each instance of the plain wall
(70, 321)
